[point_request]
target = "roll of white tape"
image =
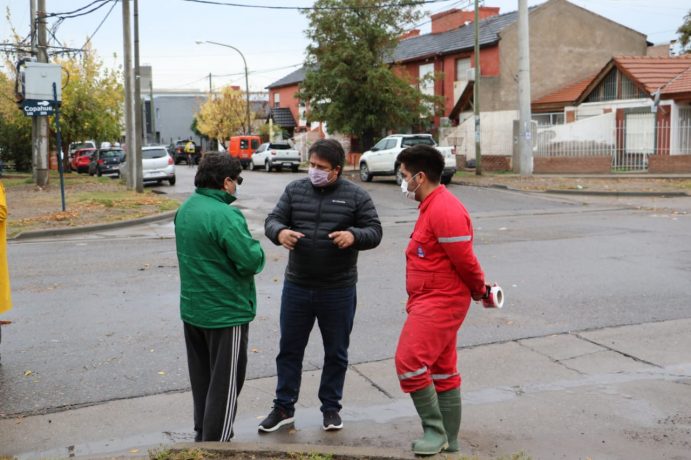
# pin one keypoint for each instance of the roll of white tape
(495, 299)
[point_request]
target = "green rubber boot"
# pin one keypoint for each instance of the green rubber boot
(434, 438)
(450, 407)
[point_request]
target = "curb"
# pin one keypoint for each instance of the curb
(601, 193)
(293, 451)
(92, 228)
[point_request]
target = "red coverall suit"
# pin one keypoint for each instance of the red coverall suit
(441, 273)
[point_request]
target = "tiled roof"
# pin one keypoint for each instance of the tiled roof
(283, 117)
(680, 84)
(566, 94)
(652, 72)
(295, 76)
(454, 40)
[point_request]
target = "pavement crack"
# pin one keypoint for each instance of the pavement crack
(372, 382)
(553, 360)
(627, 355)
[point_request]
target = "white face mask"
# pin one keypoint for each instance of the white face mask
(237, 190)
(404, 189)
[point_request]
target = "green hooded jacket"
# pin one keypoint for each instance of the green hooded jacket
(218, 259)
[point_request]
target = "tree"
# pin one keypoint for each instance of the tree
(15, 128)
(92, 100)
(349, 81)
(684, 32)
(223, 116)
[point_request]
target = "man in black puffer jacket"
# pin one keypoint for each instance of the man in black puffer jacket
(324, 220)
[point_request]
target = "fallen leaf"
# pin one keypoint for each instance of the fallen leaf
(161, 373)
(27, 373)
(133, 451)
(255, 350)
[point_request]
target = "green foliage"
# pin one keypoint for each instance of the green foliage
(684, 32)
(15, 128)
(92, 100)
(349, 81)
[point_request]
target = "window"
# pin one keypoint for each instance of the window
(255, 144)
(548, 119)
(391, 143)
(381, 145)
(277, 100)
(154, 153)
(416, 140)
(462, 68)
(427, 86)
(243, 144)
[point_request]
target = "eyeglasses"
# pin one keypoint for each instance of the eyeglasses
(238, 180)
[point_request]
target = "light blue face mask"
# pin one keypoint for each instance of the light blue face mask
(318, 177)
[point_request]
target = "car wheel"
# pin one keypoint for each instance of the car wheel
(171, 181)
(294, 168)
(446, 180)
(278, 168)
(365, 175)
(399, 176)
(267, 166)
(251, 166)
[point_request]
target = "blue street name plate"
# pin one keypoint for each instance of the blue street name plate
(38, 107)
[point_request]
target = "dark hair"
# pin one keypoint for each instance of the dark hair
(329, 150)
(214, 168)
(423, 158)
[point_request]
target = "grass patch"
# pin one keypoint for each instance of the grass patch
(186, 454)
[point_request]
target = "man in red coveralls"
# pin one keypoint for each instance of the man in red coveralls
(442, 275)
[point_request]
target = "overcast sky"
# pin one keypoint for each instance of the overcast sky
(272, 40)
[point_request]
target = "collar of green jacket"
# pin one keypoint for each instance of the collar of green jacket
(220, 195)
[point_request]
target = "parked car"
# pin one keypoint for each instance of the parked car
(242, 148)
(275, 155)
(81, 159)
(157, 165)
(106, 161)
(180, 154)
(380, 160)
(74, 146)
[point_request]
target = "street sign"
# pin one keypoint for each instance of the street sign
(38, 107)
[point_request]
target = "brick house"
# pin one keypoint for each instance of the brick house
(561, 34)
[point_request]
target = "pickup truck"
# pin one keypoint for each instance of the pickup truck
(381, 159)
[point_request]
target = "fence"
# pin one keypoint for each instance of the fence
(629, 145)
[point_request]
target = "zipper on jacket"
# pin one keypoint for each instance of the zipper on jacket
(319, 217)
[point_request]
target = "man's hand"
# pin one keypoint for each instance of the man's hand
(289, 238)
(343, 239)
(484, 294)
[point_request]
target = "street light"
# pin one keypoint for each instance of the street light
(247, 85)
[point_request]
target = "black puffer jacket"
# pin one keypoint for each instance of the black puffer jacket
(316, 262)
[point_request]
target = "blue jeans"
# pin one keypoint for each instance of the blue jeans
(334, 310)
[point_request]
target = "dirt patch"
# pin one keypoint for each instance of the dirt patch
(88, 200)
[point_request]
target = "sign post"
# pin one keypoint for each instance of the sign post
(59, 142)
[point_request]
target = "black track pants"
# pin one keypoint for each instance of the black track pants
(217, 361)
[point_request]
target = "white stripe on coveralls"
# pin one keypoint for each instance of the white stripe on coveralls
(455, 239)
(232, 386)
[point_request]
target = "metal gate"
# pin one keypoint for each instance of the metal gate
(639, 142)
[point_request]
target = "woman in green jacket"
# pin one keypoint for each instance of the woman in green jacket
(218, 259)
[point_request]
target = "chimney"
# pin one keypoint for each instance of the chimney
(455, 18)
(409, 34)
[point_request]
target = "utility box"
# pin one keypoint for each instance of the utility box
(38, 79)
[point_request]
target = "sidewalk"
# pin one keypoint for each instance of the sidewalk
(622, 392)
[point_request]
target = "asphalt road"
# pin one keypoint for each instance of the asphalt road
(96, 315)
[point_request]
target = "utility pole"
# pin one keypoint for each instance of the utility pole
(129, 131)
(34, 129)
(525, 147)
(211, 90)
(137, 157)
(476, 92)
(39, 125)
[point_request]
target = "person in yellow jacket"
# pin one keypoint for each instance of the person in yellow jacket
(5, 298)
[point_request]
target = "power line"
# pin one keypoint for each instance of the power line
(99, 26)
(315, 8)
(77, 10)
(63, 16)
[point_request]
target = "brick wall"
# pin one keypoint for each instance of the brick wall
(582, 165)
(496, 163)
(660, 164)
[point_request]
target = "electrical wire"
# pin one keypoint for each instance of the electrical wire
(101, 23)
(76, 13)
(315, 8)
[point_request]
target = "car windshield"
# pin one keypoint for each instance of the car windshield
(149, 154)
(279, 146)
(111, 154)
(417, 140)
